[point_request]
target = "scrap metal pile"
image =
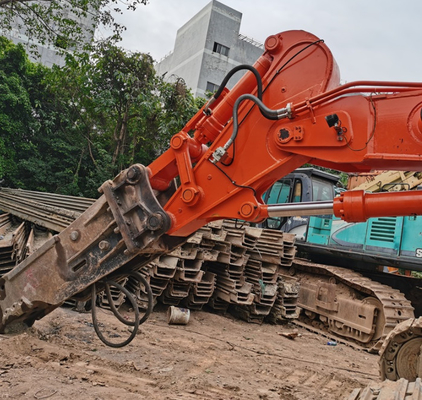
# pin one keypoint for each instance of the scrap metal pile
(230, 267)
(401, 389)
(16, 243)
(226, 265)
(52, 211)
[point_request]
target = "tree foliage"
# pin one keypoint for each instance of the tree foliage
(18, 84)
(68, 129)
(59, 22)
(124, 105)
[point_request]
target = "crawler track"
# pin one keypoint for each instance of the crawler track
(349, 305)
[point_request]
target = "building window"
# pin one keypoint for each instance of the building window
(211, 87)
(219, 48)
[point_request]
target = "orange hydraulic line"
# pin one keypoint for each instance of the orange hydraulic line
(369, 83)
(356, 87)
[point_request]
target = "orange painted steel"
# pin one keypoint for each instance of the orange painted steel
(377, 125)
(358, 206)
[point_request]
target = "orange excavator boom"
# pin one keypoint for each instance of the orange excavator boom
(300, 115)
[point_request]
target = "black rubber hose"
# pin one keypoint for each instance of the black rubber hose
(113, 308)
(265, 111)
(138, 276)
(95, 320)
(233, 71)
(149, 293)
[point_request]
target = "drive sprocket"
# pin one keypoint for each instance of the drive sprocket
(401, 352)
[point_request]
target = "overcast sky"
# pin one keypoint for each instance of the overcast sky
(370, 39)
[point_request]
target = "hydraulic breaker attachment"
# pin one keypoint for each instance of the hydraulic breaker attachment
(120, 232)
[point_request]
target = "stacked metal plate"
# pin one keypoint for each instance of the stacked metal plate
(16, 242)
(51, 211)
(285, 307)
(200, 292)
(289, 249)
(231, 286)
(6, 246)
(261, 271)
(159, 273)
(226, 264)
(117, 297)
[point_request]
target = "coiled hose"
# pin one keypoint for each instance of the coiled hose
(130, 296)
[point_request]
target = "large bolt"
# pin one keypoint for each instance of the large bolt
(247, 209)
(188, 195)
(104, 245)
(155, 221)
(176, 142)
(74, 236)
(133, 174)
(273, 43)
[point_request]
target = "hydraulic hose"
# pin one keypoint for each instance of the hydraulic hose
(265, 111)
(227, 78)
(138, 321)
(95, 320)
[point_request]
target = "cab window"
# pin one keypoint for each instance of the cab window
(280, 192)
(322, 190)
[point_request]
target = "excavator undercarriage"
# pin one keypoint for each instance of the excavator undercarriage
(345, 303)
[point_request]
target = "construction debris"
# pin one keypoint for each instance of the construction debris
(290, 335)
(51, 211)
(178, 315)
(17, 242)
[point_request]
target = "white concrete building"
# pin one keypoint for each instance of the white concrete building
(207, 47)
(47, 54)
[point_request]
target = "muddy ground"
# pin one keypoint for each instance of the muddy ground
(213, 357)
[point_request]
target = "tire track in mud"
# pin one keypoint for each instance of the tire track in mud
(213, 357)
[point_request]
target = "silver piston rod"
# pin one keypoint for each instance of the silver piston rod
(300, 209)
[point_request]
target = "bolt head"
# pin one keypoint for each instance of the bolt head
(104, 245)
(74, 236)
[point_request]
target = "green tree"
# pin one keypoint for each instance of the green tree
(17, 124)
(127, 109)
(68, 129)
(40, 140)
(58, 22)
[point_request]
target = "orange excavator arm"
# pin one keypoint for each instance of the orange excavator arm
(300, 115)
(287, 110)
